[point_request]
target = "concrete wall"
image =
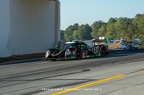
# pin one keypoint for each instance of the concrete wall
(32, 26)
(4, 27)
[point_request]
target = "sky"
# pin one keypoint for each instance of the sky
(89, 11)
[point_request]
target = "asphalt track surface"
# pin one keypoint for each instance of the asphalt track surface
(119, 73)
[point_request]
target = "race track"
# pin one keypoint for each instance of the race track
(119, 73)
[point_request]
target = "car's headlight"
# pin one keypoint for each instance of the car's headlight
(47, 53)
(67, 52)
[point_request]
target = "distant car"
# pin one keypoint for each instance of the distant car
(76, 50)
(124, 46)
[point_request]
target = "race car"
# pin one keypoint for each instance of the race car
(76, 50)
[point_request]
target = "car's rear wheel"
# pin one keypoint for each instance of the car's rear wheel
(78, 55)
(103, 51)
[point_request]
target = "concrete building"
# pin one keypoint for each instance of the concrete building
(28, 26)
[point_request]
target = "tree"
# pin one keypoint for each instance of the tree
(84, 32)
(95, 28)
(111, 30)
(62, 34)
(102, 31)
(139, 23)
(76, 26)
(76, 35)
(123, 27)
(68, 33)
(115, 28)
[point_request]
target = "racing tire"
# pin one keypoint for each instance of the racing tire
(78, 55)
(103, 51)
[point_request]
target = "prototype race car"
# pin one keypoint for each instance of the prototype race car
(76, 50)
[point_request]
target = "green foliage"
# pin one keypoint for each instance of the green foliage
(95, 28)
(141, 46)
(85, 32)
(115, 28)
(111, 29)
(102, 31)
(62, 34)
(76, 35)
(68, 33)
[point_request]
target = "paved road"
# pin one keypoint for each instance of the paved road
(120, 73)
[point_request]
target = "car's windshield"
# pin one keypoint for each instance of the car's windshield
(69, 45)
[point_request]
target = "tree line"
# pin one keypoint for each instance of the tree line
(116, 28)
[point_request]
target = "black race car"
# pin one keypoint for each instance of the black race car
(76, 50)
